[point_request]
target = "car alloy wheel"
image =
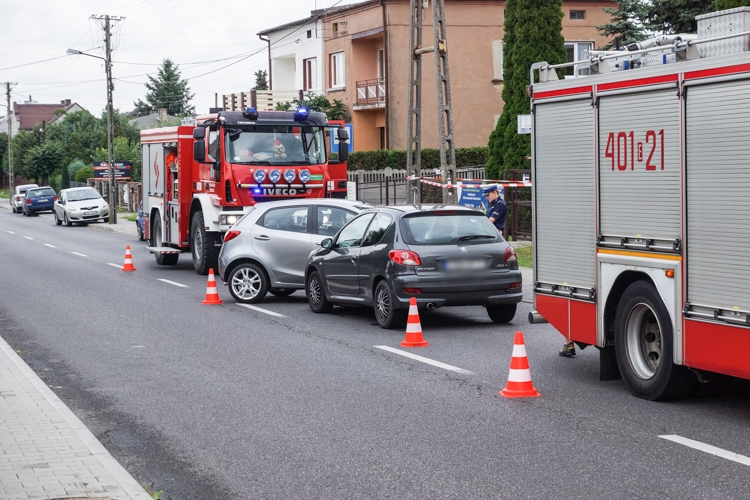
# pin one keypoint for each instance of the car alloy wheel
(316, 295)
(248, 283)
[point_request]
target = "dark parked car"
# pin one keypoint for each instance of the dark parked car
(444, 255)
(139, 223)
(39, 200)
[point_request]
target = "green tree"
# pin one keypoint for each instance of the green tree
(84, 173)
(42, 160)
(532, 34)
(316, 102)
(731, 4)
(261, 80)
(676, 16)
(74, 167)
(628, 21)
(23, 142)
(168, 90)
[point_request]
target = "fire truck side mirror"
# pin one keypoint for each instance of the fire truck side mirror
(199, 146)
(343, 137)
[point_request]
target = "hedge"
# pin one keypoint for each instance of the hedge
(383, 158)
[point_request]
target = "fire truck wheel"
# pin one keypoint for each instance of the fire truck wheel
(644, 346)
(282, 292)
(501, 314)
(248, 283)
(204, 245)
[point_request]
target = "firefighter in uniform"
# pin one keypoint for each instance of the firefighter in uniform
(497, 211)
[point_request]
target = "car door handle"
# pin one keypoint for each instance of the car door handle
(354, 260)
(262, 237)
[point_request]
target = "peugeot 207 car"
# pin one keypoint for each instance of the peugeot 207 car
(39, 200)
(18, 197)
(83, 205)
(442, 255)
(266, 250)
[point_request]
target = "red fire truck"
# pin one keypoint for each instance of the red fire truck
(200, 179)
(642, 207)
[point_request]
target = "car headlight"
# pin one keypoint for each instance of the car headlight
(75, 209)
(228, 219)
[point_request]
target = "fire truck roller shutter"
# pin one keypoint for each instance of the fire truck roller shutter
(639, 164)
(565, 192)
(718, 195)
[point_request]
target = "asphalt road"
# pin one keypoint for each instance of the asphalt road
(230, 402)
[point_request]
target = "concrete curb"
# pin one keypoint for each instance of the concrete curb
(121, 476)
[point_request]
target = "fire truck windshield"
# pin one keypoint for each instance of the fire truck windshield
(275, 145)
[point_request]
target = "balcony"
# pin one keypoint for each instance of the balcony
(370, 94)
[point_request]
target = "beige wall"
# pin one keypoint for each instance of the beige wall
(472, 26)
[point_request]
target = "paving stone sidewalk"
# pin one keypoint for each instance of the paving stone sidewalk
(45, 450)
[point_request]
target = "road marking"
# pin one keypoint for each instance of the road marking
(11, 232)
(266, 311)
(48, 245)
(425, 360)
(707, 448)
(79, 254)
(28, 237)
(118, 266)
(173, 283)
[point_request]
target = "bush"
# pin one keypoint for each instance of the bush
(74, 167)
(730, 4)
(383, 158)
(55, 182)
(84, 173)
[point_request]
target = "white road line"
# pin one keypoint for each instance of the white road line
(11, 232)
(707, 448)
(28, 237)
(173, 283)
(118, 266)
(48, 245)
(425, 360)
(266, 311)
(79, 254)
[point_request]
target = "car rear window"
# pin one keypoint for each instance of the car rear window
(447, 228)
(36, 193)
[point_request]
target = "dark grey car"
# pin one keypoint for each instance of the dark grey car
(442, 255)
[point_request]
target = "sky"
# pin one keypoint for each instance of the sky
(215, 44)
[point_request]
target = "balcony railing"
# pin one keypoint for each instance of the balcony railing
(263, 100)
(371, 91)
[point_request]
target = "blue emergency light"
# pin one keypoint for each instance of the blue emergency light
(250, 114)
(301, 114)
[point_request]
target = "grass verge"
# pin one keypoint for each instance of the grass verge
(525, 256)
(132, 217)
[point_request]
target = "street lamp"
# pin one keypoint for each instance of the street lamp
(110, 131)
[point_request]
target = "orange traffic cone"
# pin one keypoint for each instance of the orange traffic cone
(413, 328)
(519, 378)
(128, 260)
(212, 296)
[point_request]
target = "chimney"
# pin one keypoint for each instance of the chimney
(65, 102)
(162, 114)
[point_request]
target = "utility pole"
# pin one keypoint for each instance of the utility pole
(11, 175)
(442, 80)
(110, 115)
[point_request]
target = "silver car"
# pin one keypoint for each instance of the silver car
(18, 198)
(267, 249)
(83, 204)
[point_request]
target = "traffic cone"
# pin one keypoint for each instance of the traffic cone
(212, 296)
(519, 378)
(413, 328)
(128, 260)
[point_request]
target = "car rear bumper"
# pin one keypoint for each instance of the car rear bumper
(38, 208)
(463, 291)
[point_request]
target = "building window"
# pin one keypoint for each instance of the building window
(310, 74)
(497, 60)
(381, 63)
(309, 33)
(578, 14)
(335, 29)
(336, 70)
(577, 51)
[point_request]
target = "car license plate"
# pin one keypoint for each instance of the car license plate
(90, 212)
(43, 199)
(465, 265)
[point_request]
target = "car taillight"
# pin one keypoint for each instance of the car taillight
(18, 198)
(413, 290)
(404, 257)
(231, 235)
(28, 201)
(510, 254)
(517, 284)
(54, 198)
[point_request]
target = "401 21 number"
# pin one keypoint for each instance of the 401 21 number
(625, 151)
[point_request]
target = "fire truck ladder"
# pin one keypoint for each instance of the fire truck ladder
(442, 81)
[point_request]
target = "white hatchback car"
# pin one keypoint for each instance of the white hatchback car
(83, 204)
(19, 197)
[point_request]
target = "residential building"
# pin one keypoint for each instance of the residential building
(366, 52)
(156, 118)
(29, 114)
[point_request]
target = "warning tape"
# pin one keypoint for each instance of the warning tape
(480, 183)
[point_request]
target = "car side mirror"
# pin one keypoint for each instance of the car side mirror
(327, 243)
